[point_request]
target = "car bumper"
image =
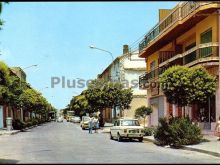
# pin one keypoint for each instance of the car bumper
(130, 135)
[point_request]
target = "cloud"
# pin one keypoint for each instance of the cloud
(5, 53)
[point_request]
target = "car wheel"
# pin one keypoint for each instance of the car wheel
(119, 138)
(111, 136)
(140, 139)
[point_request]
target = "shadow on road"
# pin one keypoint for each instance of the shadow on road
(8, 161)
(129, 141)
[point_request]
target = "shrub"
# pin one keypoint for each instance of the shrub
(29, 123)
(177, 132)
(35, 122)
(18, 124)
(149, 131)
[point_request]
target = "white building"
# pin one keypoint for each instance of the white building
(126, 69)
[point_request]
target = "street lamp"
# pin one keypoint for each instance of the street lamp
(93, 47)
(29, 66)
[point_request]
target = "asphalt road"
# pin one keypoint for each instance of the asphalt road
(67, 143)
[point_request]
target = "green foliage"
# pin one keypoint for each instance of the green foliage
(99, 95)
(143, 111)
(79, 104)
(1, 21)
(183, 86)
(102, 94)
(18, 94)
(18, 124)
(176, 84)
(177, 132)
(4, 82)
(203, 85)
(149, 131)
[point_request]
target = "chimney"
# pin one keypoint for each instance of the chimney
(125, 49)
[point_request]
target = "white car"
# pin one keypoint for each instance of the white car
(127, 128)
(60, 119)
(76, 119)
(85, 122)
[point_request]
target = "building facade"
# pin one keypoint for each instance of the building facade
(186, 35)
(126, 69)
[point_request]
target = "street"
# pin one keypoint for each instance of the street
(67, 143)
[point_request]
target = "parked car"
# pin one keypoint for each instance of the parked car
(76, 119)
(127, 128)
(60, 119)
(85, 122)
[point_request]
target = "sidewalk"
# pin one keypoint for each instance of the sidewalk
(212, 147)
(5, 132)
(106, 128)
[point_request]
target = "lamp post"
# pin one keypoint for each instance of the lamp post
(29, 66)
(93, 47)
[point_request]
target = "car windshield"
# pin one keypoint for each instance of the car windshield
(130, 123)
(86, 119)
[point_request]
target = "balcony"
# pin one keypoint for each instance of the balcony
(166, 28)
(203, 52)
(148, 76)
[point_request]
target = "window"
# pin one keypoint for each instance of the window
(206, 37)
(152, 65)
(192, 56)
(130, 123)
(190, 46)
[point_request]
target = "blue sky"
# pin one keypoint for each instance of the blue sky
(57, 35)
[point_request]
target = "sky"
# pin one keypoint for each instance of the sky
(56, 36)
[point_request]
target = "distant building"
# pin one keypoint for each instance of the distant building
(126, 69)
(19, 72)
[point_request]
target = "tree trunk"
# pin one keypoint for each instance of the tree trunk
(184, 109)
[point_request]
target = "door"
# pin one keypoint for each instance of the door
(1, 117)
(154, 115)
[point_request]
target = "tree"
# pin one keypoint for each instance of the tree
(203, 85)
(79, 104)
(143, 111)
(102, 94)
(1, 21)
(4, 83)
(184, 86)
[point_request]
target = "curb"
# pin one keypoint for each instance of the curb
(212, 153)
(216, 154)
(10, 133)
(149, 140)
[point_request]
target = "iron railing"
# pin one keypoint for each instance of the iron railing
(202, 51)
(181, 11)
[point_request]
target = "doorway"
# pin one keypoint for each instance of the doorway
(1, 117)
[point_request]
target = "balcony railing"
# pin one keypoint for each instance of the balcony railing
(207, 51)
(195, 53)
(165, 55)
(153, 74)
(180, 12)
